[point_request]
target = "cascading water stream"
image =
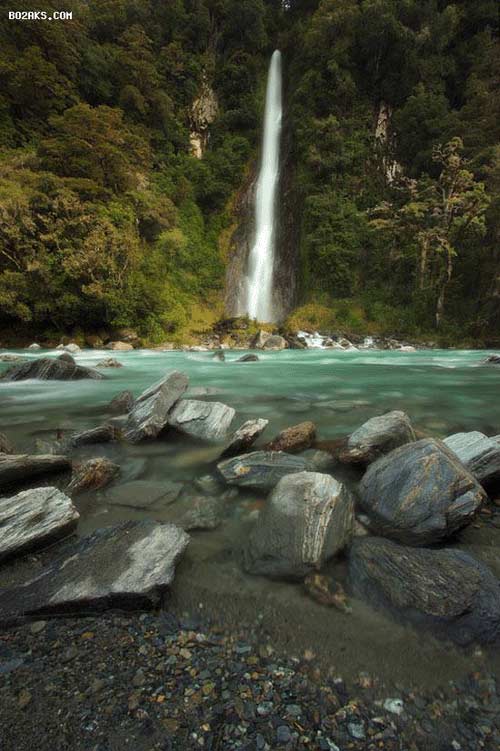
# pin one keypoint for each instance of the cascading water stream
(258, 289)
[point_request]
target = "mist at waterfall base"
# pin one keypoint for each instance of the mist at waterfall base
(256, 298)
(443, 392)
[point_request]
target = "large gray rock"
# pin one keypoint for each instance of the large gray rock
(208, 421)
(149, 415)
(419, 493)
(245, 436)
(477, 452)
(129, 566)
(50, 369)
(308, 518)
(18, 468)
(378, 436)
(275, 342)
(447, 590)
(261, 469)
(122, 403)
(34, 518)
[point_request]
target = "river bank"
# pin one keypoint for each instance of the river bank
(178, 477)
(165, 681)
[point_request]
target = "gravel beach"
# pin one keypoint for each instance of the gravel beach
(155, 681)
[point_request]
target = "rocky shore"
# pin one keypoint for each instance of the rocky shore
(165, 681)
(385, 502)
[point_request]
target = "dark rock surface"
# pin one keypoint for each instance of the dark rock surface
(447, 590)
(90, 437)
(378, 436)
(5, 445)
(144, 494)
(307, 519)
(419, 493)
(122, 403)
(50, 369)
(208, 421)
(130, 565)
(92, 475)
(245, 436)
(492, 360)
(248, 358)
(149, 415)
(294, 439)
(33, 518)
(261, 469)
(477, 452)
(18, 468)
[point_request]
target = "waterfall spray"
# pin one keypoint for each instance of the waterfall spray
(258, 292)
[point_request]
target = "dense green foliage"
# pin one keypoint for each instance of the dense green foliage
(107, 218)
(427, 186)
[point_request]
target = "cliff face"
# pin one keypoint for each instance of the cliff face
(204, 111)
(240, 244)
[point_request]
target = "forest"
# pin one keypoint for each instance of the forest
(110, 218)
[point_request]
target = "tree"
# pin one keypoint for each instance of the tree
(441, 214)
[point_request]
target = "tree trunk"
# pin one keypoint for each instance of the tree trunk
(442, 291)
(423, 264)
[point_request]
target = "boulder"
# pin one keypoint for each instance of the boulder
(144, 494)
(419, 494)
(109, 362)
(378, 436)
(92, 475)
(261, 469)
(208, 421)
(122, 403)
(50, 369)
(34, 346)
(447, 590)
(5, 445)
(477, 452)
(94, 341)
(10, 358)
(196, 513)
(260, 339)
(72, 347)
(248, 358)
(18, 468)
(307, 519)
(492, 360)
(149, 414)
(275, 342)
(127, 566)
(244, 437)
(294, 439)
(34, 518)
(101, 434)
(66, 357)
(119, 346)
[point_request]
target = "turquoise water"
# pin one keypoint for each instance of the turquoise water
(442, 391)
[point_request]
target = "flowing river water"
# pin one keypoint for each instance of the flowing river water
(443, 391)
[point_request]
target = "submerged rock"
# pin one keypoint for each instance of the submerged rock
(477, 452)
(261, 469)
(208, 421)
(144, 494)
(92, 475)
(18, 468)
(248, 358)
(492, 360)
(109, 362)
(419, 493)
(197, 513)
(34, 518)
(101, 434)
(122, 403)
(149, 415)
(445, 590)
(245, 436)
(50, 369)
(307, 519)
(378, 436)
(294, 439)
(129, 566)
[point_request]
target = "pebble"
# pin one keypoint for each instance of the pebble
(37, 627)
(395, 706)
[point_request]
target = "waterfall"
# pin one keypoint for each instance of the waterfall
(258, 287)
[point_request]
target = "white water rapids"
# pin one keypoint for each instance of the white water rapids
(257, 293)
